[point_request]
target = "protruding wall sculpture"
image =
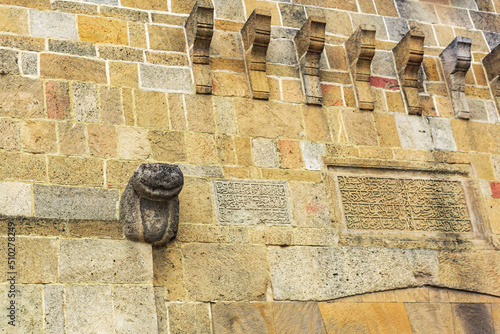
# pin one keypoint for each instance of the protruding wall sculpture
(310, 42)
(256, 35)
(199, 31)
(409, 54)
(456, 59)
(149, 206)
(491, 65)
(360, 49)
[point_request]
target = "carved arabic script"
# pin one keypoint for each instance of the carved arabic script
(252, 202)
(415, 205)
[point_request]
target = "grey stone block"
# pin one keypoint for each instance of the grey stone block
(282, 51)
(424, 264)
(172, 79)
(134, 309)
(73, 47)
(442, 135)
(229, 10)
(75, 203)
(29, 63)
(414, 132)
(418, 11)
(383, 64)
(312, 154)
(477, 109)
(104, 2)
(397, 28)
(28, 308)
(264, 153)
(9, 62)
(89, 307)
(53, 301)
(85, 99)
(105, 261)
(53, 24)
(323, 273)
(207, 171)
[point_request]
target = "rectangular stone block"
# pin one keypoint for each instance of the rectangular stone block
(423, 316)
(324, 273)
(29, 309)
(53, 305)
(172, 79)
(19, 166)
(105, 261)
(244, 317)
(251, 202)
(15, 199)
(75, 203)
(189, 318)
(414, 132)
(89, 306)
(133, 143)
(53, 24)
(134, 309)
(102, 30)
(225, 272)
(10, 134)
(76, 170)
(21, 97)
(37, 260)
(76, 48)
(14, 20)
(72, 68)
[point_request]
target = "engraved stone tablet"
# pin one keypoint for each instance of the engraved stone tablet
(413, 205)
(251, 202)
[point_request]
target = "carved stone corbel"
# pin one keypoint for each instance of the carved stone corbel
(456, 59)
(310, 42)
(199, 31)
(149, 206)
(491, 65)
(409, 54)
(256, 35)
(360, 49)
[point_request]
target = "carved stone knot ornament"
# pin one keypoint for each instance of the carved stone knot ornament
(149, 206)
(456, 59)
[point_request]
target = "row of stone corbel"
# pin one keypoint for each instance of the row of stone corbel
(360, 48)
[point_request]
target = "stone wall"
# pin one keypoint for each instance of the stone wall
(89, 90)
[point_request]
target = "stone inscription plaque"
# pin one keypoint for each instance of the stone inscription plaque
(414, 205)
(251, 202)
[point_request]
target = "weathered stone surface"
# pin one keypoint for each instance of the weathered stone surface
(9, 62)
(37, 260)
(75, 203)
(102, 30)
(359, 127)
(149, 206)
(201, 149)
(53, 24)
(168, 271)
(312, 154)
(424, 264)
(243, 317)
(14, 20)
(72, 68)
(414, 132)
(196, 201)
(472, 271)
(172, 79)
(15, 199)
(426, 316)
(225, 272)
(365, 318)
(251, 202)
(189, 318)
(58, 100)
(21, 97)
(72, 138)
(53, 305)
(105, 261)
(310, 206)
(442, 134)
(85, 102)
(29, 309)
(39, 136)
(327, 273)
(133, 144)
(472, 318)
(101, 140)
(134, 309)
(89, 306)
(298, 318)
(76, 170)
(200, 116)
(10, 133)
(264, 152)
(111, 108)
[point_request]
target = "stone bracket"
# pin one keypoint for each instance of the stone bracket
(360, 49)
(491, 65)
(409, 54)
(456, 59)
(199, 31)
(256, 35)
(310, 42)
(149, 206)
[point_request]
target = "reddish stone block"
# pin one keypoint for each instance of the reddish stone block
(495, 189)
(385, 83)
(332, 95)
(58, 103)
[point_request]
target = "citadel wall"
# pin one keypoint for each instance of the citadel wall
(303, 210)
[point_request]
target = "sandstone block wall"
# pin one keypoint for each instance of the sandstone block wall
(91, 89)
